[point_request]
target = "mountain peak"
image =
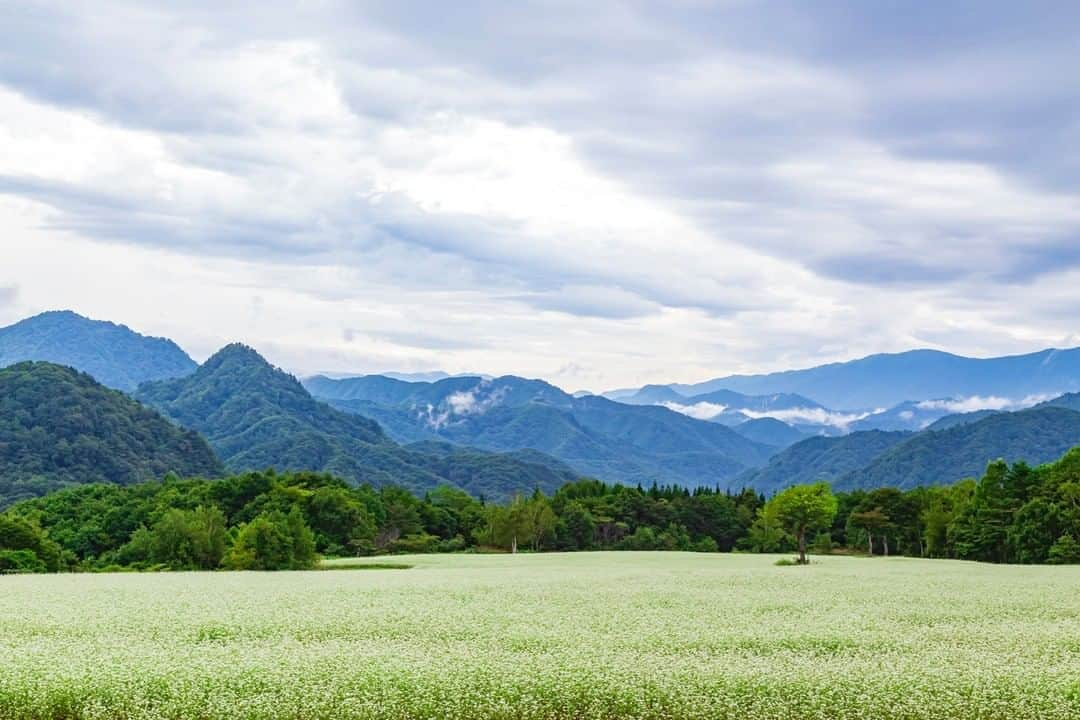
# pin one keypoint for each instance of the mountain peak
(114, 355)
(237, 352)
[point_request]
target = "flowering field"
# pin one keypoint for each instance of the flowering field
(588, 635)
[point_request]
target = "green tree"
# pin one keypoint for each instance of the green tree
(576, 527)
(870, 522)
(803, 508)
(29, 547)
(183, 539)
(341, 522)
(1034, 529)
(981, 530)
(1065, 550)
(538, 522)
(766, 534)
(274, 541)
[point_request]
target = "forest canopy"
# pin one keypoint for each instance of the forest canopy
(265, 520)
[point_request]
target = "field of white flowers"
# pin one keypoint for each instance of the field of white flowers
(589, 635)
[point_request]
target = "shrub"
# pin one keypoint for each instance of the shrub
(706, 544)
(1064, 551)
(415, 544)
(20, 561)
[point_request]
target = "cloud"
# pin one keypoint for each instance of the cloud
(429, 341)
(477, 400)
(978, 402)
(700, 411)
(810, 416)
(797, 415)
(8, 294)
(660, 191)
(593, 301)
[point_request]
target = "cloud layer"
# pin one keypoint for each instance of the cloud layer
(615, 194)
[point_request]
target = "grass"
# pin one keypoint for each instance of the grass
(589, 635)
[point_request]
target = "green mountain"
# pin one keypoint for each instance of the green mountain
(630, 444)
(770, 431)
(60, 427)
(937, 457)
(113, 354)
(257, 416)
(960, 419)
(821, 458)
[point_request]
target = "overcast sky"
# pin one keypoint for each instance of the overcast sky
(596, 193)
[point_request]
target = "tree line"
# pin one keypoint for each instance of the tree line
(270, 521)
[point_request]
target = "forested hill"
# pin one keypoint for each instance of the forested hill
(113, 354)
(943, 453)
(60, 427)
(944, 456)
(631, 444)
(822, 458)
(257, 416)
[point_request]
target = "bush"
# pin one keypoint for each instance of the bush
(21, 561)
(415, 544)
(1064, 551)
(454, 544)
(706, 544)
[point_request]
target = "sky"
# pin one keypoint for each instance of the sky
(600, 194)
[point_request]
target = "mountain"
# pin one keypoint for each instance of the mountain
(1068, 400)
(418, 376)
(257, 416)
(909, 415)
(731, 408)
(60, 427)
(885, 380)
(612, 441)
(936, 457)
(653, 395)
(960, 419)
(769, 431)
(113, 354)
(821, 458)
(373, 388)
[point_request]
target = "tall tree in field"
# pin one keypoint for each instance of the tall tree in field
(803, 508)
(870, 521)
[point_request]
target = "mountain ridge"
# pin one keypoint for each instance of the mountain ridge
(884, 380)
(257, 416)
(114, 354)
(612, 441)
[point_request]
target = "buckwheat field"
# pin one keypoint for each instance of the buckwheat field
(589, 635)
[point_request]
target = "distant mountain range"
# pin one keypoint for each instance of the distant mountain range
(257, 416)
(907, 419)
(732, 408)
(599, 437)
(770, 431)
(115, 355)
(885, 380)
(60, 427)
(810, 417)
(944, 453)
